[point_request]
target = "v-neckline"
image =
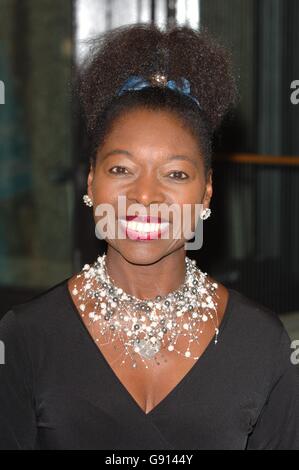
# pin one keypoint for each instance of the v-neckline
(182, 381)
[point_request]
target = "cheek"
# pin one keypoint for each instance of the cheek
(189, 194)
(104, 189)
(188, 199)
(103, 192)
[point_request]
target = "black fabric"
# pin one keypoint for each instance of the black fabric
(57, 391)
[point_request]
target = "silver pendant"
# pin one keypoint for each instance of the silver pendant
(147, 349)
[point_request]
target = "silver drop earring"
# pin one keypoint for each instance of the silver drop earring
(205, 213)
(87, 201)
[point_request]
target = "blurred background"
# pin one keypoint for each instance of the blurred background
(251, 242)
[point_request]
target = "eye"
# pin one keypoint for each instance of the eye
(178, 175)
(120, 170)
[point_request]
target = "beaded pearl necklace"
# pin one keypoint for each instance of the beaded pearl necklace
(145, 327)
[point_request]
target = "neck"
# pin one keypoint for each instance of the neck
(147, 281)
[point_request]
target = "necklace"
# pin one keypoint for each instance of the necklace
(147, 326)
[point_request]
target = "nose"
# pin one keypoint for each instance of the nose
(146, 190)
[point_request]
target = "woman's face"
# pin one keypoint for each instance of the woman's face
(150, 158)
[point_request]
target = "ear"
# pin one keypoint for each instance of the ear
(90, 182)
(209, 189)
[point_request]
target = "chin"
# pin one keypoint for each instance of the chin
(144, 252)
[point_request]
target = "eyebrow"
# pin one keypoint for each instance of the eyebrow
(117, 152)
(169, 158)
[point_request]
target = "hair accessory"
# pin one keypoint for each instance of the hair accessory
(158, 79)
(136, 83)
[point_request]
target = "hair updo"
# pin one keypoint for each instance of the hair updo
(143, 50)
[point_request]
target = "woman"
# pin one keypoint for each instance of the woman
(141, 350)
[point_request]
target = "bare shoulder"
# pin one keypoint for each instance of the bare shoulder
(223, 295)
(75, 282)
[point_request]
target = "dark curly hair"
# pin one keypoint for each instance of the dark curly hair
(143, 49)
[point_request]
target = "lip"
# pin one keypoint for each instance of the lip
(145, 219)
(143, 236)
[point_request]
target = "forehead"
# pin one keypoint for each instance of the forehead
(141, 127)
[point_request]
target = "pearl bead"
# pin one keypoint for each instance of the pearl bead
(141, 325)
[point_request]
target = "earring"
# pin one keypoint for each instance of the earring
(205, 213)
(87, 200)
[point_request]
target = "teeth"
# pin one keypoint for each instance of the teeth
(139, 227)
(145, 227)
(132, 225)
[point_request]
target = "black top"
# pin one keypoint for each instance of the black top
(57, 390)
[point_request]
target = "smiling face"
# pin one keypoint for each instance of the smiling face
(149, 157)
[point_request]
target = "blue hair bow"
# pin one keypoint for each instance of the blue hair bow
(138, 83)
